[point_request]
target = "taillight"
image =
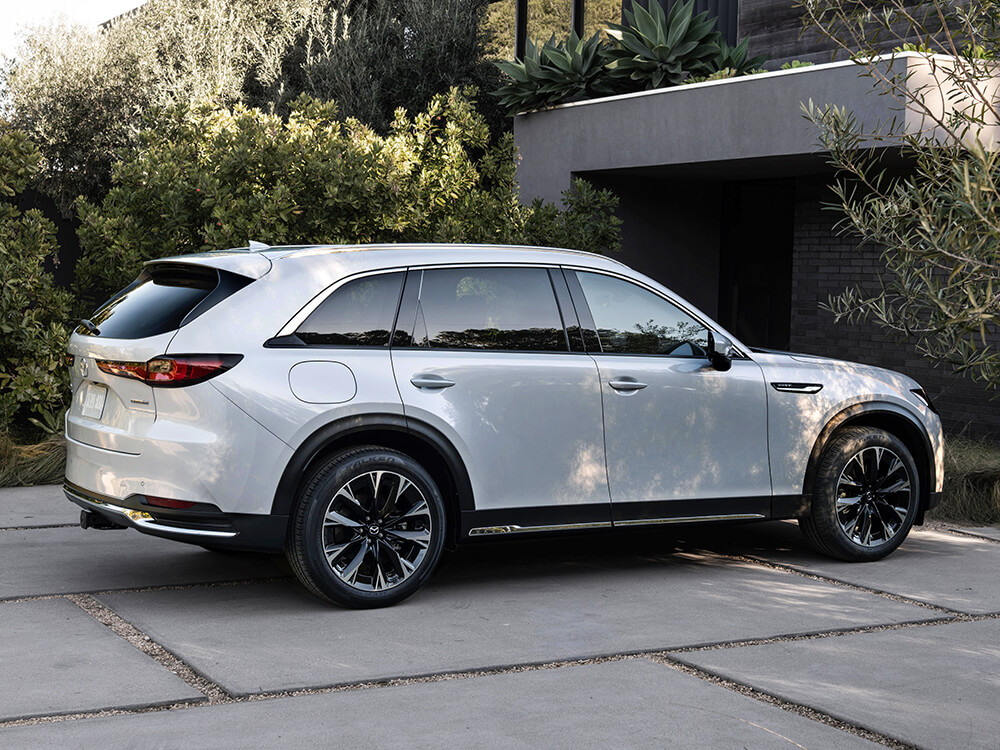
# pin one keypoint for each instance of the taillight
(175, 371)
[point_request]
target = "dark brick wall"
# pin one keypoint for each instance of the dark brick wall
(825, 262)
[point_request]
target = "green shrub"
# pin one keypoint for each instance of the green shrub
(209, 178)
(971, 482)
(33, 311)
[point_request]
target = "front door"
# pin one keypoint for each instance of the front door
(683, 439)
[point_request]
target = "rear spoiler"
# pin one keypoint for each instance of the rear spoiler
(245, 263)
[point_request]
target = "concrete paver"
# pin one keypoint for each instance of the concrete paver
(57, 659)
(949, 570)
(633, 703)
(36, 562)
(271, 637)
(45, 505)
(934, 687)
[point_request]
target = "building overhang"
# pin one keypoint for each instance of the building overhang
(737, 128)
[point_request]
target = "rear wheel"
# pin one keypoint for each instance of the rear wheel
(865, 496)
(368, 528)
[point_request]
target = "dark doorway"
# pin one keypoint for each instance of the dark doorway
(755, 263)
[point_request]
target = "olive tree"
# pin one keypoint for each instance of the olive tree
(938, 219)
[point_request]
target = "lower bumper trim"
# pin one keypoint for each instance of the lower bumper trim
(139, 519)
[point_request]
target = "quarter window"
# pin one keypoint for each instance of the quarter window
(633, 320)
(360, 313)
(512, 309)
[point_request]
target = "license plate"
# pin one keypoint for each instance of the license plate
(93, 401)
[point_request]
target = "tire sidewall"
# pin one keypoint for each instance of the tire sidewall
(824, 505)
(307, 542)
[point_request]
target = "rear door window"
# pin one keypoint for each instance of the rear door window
(508, 309)
(162, 299)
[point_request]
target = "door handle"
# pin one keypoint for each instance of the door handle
(431, 382)
(626, 384)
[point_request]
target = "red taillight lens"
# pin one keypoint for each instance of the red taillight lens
(184, 369)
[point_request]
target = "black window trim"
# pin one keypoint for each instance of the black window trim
(583, 309)
(549, 267)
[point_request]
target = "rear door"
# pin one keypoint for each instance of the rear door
(482, 355)
(115, 411)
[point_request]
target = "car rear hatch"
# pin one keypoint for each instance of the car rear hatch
(113, 408)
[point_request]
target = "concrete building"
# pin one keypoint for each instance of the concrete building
(722, 188)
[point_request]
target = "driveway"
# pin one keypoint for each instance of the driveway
(725, 637)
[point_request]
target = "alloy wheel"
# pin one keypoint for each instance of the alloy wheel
(874, 495)
(376, 530)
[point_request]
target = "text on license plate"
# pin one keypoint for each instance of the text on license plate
(93, 400)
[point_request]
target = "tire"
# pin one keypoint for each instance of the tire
(871, 524)
(367, 530)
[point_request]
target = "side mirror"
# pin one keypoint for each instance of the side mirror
(720, 351)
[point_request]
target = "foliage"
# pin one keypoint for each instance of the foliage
(82, 94)
(587, 221)
(735, 60)
(207, 178)
(33, 312)
(36, 463)
(546, 18)
(655, 49)
(971, 482)
(399, 53)
(939, 221)
(557, 72)
(793, 64)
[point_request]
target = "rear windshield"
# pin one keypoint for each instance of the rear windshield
(161, 300)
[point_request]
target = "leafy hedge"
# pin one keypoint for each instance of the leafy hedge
(33, 311)
(209, 178)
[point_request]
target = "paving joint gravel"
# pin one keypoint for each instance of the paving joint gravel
(144, 643)
(144, 589)
(898, 598)
(773, 700)
(42, 526)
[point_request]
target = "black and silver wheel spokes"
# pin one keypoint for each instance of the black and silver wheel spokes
(376, 530)
(874, 496)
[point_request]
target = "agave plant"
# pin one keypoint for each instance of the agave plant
(734, 59)
(657, 50)
(554, 73)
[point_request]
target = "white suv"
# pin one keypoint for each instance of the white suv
(362, 407)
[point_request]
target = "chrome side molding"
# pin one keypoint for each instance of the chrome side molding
(515, 529)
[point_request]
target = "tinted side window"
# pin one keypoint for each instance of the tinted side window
(632, 320)
(156, 302)
(512, 309)
(360, 313)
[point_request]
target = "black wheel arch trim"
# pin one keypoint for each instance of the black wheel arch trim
(313, 446)
(851, 415)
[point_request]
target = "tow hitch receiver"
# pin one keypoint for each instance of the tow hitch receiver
(90, 520)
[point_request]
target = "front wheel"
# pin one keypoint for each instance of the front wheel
(865, 497)
(368, 529)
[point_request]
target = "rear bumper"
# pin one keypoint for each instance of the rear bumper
(238, 531)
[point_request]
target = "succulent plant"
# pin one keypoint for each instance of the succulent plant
(555, 72)
(735, 59)
(654, 49)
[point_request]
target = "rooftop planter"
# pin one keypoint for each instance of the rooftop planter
(748, 126)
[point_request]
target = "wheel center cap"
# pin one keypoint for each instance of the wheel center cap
(374, 530)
